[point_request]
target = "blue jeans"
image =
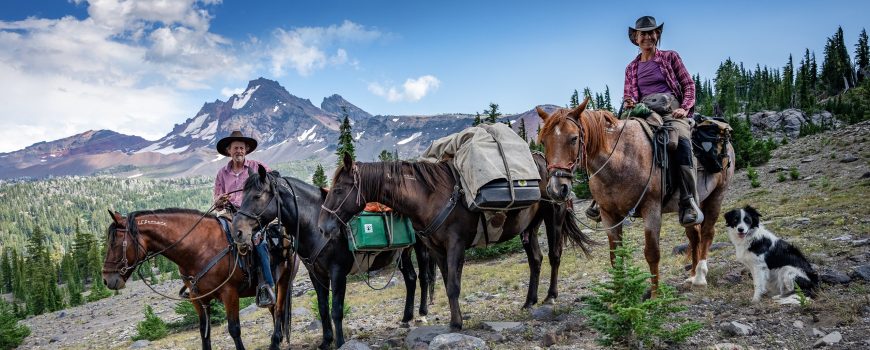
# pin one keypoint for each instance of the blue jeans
(263, 255)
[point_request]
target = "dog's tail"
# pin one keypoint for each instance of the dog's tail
(809, 285)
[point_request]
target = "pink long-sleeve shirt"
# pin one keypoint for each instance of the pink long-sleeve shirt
(227, 181)
(676, 75)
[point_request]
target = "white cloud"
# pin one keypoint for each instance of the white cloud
(305, 49)
(412, 90)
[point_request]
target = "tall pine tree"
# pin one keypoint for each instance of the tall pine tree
(522, 130)
(319, 177)
(608, 104)
(477, 120)
(492, 113)
(575, 99)
(345, 139)
(6, 271)
(862, 56)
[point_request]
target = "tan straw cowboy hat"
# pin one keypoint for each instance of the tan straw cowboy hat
(235, 136)
(644, 24)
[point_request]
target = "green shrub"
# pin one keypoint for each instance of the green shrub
(11, 332)
(748, 150)
(217, 313)
(781, 177)
(314, 305)
(793, 173)
(152, 327)
(513, 245)
(619, 313)
(752, 174)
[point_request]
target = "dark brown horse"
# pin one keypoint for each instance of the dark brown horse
(421, 191)
(326, 256)
(624, 181)
(193, 240)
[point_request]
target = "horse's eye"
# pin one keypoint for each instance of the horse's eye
(257, 196)
(574, 140)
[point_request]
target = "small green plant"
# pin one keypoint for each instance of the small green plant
(217, 314)
(793, 173)
(802, 297)
(618, 311)
(11, 332)
(781, 177)
(152, 327)
(752, 174)
(513, 245)
(314, 306)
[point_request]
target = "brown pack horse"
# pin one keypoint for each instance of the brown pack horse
(193, 241)
(618, 157)
(421, 191)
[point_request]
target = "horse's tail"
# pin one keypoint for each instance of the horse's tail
(572, 231)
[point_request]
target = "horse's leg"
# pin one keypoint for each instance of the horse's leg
(204, 323)
(321, 287)
(425, 276)
(694, 236)
(455, 261)
(431, 270)
(614, 235)
(652, 225)
(230, 298)
(339, 285)
(555, 242)
(711, 207)
(279, 310)
(410, 277)
(533, 253)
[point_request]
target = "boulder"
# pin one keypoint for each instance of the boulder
(828, 340)
(424, 334)
(354, 345)
(497, 326)
(457, 341)
(735, 328)
(139, 344)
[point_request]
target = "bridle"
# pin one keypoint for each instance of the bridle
(126, 266)
(568, 170)
(359, 197)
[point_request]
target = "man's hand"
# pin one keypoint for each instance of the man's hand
(679, 113)
(221, 201)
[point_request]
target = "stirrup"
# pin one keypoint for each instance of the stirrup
(593, 213)
(265, 296)
(684, 208)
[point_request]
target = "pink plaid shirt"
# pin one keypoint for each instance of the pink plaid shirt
(676, 75)
(227, 181)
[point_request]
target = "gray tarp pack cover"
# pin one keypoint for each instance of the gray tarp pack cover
(478, 160)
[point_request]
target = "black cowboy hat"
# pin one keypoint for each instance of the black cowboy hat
(235, 136)
(644, 24)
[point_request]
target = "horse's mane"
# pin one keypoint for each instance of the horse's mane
(437, 177)
(133, 228)
(593, 122)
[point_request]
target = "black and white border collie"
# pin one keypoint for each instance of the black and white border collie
(775, 264)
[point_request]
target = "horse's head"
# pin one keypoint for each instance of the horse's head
(259, 206)
(344, 199)
(562, 137)
(123, 250)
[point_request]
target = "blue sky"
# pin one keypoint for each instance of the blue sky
(138, 67)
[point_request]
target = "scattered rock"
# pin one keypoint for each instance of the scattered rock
(735, 328)
(680, 249)
(300, 312)
(549, 340)
(732, 277)
(54, 340)
(835, 277)
(456, 341)
(248, 310)
(802, 221)
(497, 326)
(863, 272)
(726, 346)
(866, 175)
(313, 326)
(848, 158)
(393, 282)
(543, 313)
(493, 337)
(139, 344)
(808, 160)
(424, 334)
(61, 314)
(842, 238)
(798, 324)
(354, 345)
(860, 242)
(830, 339)
(817, 332)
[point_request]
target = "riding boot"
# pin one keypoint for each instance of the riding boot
(265, 294)
(593, 213)
(690, 213)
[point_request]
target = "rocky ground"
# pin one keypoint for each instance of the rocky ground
(820, 204)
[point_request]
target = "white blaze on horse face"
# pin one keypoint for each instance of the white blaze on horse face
(558, 131)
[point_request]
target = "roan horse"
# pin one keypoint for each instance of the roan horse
(420, 191)
(618, 157)
(326, 256)
(193, 241)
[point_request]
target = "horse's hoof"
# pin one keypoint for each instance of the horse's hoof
(690, 280)
(527, 305)
(699, 283)
(404, 324)
(549, 301)
(422, 320)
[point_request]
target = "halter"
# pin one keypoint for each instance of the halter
(357, 179)
(567, 170)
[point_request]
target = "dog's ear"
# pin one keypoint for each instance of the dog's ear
(751, 211)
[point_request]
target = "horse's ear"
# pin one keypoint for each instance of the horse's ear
(347, 161)
(323, 193)
(577, 111)
(250, 172)
(542, 113)
(116, 217)
(261, 170)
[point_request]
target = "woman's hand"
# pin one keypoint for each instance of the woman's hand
(679, 113)
(628, 104)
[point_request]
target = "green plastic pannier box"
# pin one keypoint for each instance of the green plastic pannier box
(373, 231)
